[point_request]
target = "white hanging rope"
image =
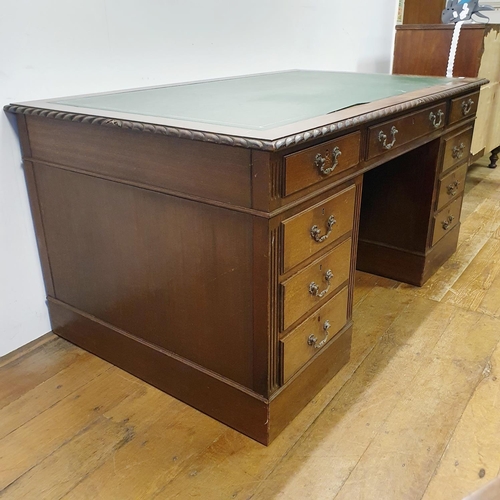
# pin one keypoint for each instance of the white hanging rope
(453, 49)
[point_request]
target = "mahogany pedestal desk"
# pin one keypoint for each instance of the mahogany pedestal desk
(204, 236)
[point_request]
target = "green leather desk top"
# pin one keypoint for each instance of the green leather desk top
(256, 102)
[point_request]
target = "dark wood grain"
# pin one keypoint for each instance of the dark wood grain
(39, 227)
(437, 255)
(456, 149)
(173, 272)
(397, 200)
(446, 220)
(298, 243)
(423, 11)
(301, 169)
(185, 381)
(413, 268)
(296, 349)
(295, 292)
(424, 49)
(287, 403)
(408, 127)
(463, 107)
(451, 186)
(264, 344)
(220, 173)
(35, 205)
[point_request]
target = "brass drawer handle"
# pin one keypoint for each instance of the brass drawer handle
(383, 138)
(467, 106)
(458, 151)
(320, 161)
(436, 121)
(316, 231)
(314, 289)
(447, 223)
(313, 341)
(452, 188)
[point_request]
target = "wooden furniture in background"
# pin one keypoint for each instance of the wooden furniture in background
(424, 50)
(423, 11)
(216, 262)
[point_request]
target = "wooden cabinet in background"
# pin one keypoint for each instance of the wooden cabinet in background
(424, 49)
(423, 11)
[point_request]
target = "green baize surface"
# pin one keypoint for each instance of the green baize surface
(257, 102)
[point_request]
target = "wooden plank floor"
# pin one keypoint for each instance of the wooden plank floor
(415, 414)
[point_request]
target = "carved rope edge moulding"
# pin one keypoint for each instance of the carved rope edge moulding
(243, 142)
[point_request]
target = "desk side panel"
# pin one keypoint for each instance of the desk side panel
(191, 168)
(240, 409)
(173, 272)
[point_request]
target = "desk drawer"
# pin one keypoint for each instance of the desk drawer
(315, 283)
(395, 133)
(313, 229)
(451, 186)
(456, 149)
(300, 345)
(315, 164)
(464, 107)
(446, 220)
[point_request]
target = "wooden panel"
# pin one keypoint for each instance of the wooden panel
(464, 107)
(397, 204)
(299, 244)
(423, 11)
(456, 149)
(432, 44)
(168, 373)
(195, 168)
(405, 129)
(296, 291)
(173, 272)
(446, 220)
(302, 169)
(296, 348)
(451, 186)
(301, 388)
(401, 265)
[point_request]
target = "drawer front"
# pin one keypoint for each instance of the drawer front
(464, 107)
(315, 283)
(446, 220)
(313, 229)
(395, 133)
(315, 164)
(299, 346)
(450, 186)
(457, 149)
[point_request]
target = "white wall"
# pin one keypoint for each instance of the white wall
(52, 48)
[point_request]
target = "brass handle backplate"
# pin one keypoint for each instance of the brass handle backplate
(313, 341)
(436, 121)
(316, 231)
(458, 151)
(314, 289)
(332, 160)
(447, 223)
(467, 106)
(383, 138)
(452, 189)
